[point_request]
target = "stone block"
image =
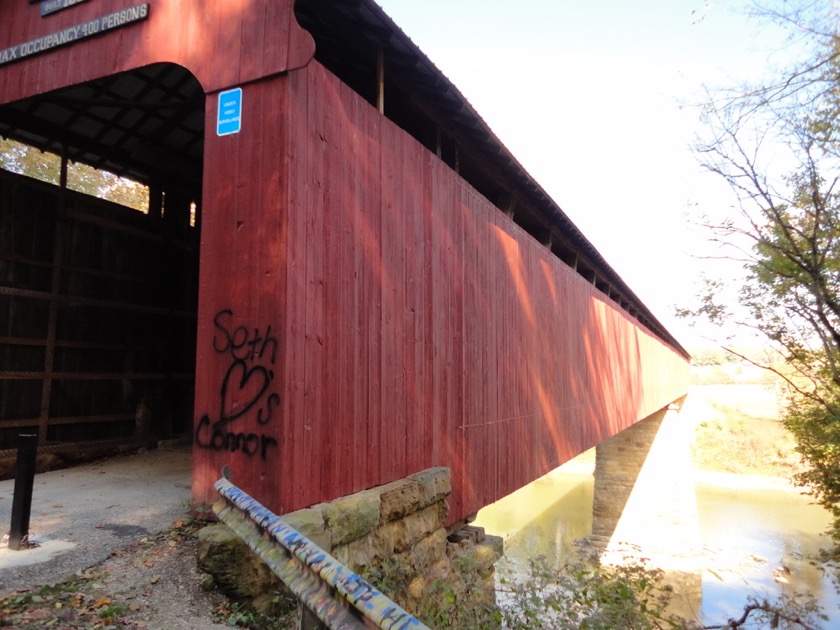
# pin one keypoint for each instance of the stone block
(435, 485)
(322, 539)
(441, 570)
(423, 523)
(426, 553)
(391, 537)
(358, 554)
(352, 517)
(417, 588)
(488, 552)
(398, 499)
(307, 521)
(236, 570)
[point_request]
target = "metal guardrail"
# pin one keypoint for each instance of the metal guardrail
(340, 598)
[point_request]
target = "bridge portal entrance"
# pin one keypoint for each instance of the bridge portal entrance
(98, 299)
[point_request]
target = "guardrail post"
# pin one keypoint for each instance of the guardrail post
(22, 500)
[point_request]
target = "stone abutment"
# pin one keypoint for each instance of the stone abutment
(394, 536)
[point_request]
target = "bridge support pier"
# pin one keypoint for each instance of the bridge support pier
(645, 503)
(618, 462)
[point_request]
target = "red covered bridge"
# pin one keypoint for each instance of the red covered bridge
(343, 276)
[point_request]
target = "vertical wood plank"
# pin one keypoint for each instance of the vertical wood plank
(273, 247)
(415, 310)
(339, 295)
(393, 419)
(214, 272)
(297, 485)
(372, 317)
(315, 364)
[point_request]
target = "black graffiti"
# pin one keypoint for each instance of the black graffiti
(272, 402)
(246, 387)
(241, 380)
(240, 342)
(216, 439)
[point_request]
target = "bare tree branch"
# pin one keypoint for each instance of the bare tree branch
(776, 615)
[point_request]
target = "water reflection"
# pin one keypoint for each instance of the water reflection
(544, 518)
(748, 533)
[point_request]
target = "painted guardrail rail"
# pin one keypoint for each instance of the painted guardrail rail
(339, 597)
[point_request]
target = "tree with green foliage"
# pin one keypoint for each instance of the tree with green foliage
(23, 159)
(26, 160)
(777, 145)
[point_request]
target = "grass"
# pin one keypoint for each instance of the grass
(740, 429)
(731, 374)
(742, 444)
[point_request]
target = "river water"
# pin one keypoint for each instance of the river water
(752, 529)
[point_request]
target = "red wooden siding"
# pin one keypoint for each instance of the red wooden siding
(420, 325)
(363, 312)
(222, 42)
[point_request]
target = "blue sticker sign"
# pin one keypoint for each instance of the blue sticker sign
(229, 119)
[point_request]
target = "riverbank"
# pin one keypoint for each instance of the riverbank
(741, 481)
(736, 414)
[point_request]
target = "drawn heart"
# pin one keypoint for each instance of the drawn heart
(242, 388)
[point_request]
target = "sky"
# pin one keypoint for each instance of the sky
(597, 100)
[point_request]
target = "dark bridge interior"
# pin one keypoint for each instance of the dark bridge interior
(98, 301)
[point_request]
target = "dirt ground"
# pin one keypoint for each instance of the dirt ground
(120, 529)
(153, 583)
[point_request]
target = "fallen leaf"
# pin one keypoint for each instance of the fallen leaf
(38, 614)
(102, 602)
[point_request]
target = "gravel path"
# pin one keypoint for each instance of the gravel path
(116, 549)
(152, 583)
